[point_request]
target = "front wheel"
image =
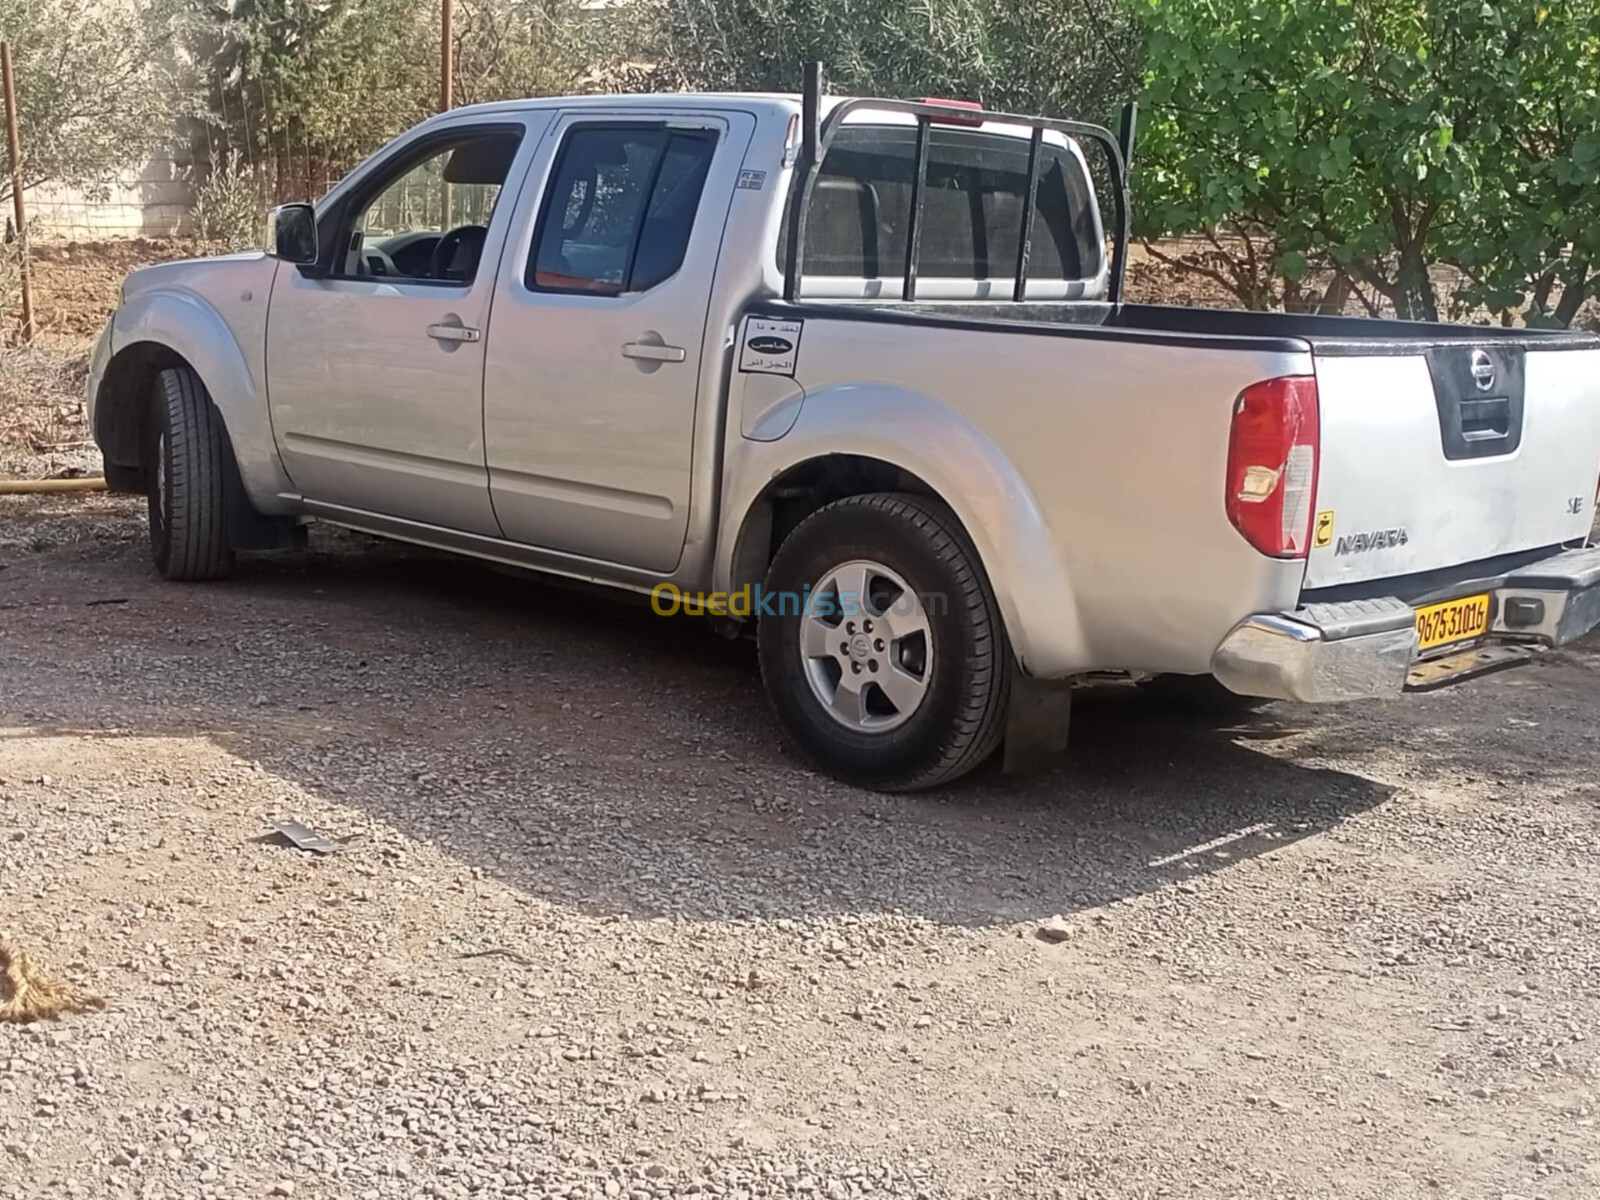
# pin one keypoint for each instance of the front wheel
(887, 660)
(187, 480)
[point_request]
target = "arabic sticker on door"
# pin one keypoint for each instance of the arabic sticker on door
(770, 347)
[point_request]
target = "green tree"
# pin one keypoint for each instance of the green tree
(1062, 57)
(1535, 241)
(1378, 139)
(300, 91)
(94, 92)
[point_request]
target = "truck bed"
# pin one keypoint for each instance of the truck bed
(1427, 475)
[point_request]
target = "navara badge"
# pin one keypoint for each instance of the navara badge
(1372, 539)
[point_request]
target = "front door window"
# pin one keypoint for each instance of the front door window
(429, 222)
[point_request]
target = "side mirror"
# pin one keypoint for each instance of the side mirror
(292, 233)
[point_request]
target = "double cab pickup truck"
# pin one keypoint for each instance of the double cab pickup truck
(859, 376)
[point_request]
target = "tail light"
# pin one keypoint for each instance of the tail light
(1272, 465)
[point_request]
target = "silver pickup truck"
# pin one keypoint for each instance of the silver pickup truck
(859, 374)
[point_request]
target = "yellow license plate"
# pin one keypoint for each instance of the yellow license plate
(1451, 622)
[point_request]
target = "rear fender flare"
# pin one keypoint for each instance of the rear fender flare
(962, 467)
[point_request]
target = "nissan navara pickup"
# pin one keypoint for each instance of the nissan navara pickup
(859, 375)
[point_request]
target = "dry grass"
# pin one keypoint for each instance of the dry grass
(27, 993)
(43, 433)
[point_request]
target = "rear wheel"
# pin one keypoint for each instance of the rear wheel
(887, 661)
(187, 480)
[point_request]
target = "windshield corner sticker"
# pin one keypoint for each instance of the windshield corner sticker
(1323, 537)
(770, 347)
(752, 181)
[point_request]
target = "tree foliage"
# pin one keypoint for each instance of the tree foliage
(1382, 139)
(304, 89)
(1063, 57)
(94, 89)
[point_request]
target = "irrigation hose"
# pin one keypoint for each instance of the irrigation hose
(29, 487)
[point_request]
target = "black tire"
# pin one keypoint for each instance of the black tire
(967, 667)
(187, 480)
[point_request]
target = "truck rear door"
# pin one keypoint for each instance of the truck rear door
(1443, 457)
(596, 354)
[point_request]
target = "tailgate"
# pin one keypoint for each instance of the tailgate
(1438, 455)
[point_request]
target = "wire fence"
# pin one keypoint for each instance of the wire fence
(155, 200)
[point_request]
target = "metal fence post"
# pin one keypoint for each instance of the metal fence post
(14, 148)
(446, 56)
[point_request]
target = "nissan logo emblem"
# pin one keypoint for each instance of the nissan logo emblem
(1482, 370)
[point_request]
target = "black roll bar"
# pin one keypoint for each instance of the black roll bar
(817, 134)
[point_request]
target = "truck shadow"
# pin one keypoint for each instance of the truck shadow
(609, 760)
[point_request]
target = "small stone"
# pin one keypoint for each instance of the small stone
(282, 1188)
(1056, 929)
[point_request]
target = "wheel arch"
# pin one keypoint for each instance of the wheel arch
(166, 328)
(801, 489)
(122, 409)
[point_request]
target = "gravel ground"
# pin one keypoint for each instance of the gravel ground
(594, 932)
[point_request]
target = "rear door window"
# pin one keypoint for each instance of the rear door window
(859, 220)
(619, 209)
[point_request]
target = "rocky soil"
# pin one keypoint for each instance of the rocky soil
(593, 932)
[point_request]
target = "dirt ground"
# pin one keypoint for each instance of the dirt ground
(594, 932)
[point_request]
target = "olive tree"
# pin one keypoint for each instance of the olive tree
(1063, 57)
(94, 89)
(299, 91)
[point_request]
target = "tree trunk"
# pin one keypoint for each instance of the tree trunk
(1574, 293)
(1336, 296)
(1414, 299)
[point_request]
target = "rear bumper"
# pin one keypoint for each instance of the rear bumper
(1367, 649)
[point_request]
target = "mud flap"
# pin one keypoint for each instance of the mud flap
(248, 529)
(1036, 724)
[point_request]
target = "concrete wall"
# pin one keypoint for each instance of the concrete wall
(153, 201)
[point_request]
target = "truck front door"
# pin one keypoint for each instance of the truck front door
(375, 369)
(593, 373)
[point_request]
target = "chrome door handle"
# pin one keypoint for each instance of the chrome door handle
(454, 333)
(651, 352)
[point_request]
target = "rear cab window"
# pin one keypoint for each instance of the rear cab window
(858, 224)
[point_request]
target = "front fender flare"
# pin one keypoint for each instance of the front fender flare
(186, 325)
(965, 469)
